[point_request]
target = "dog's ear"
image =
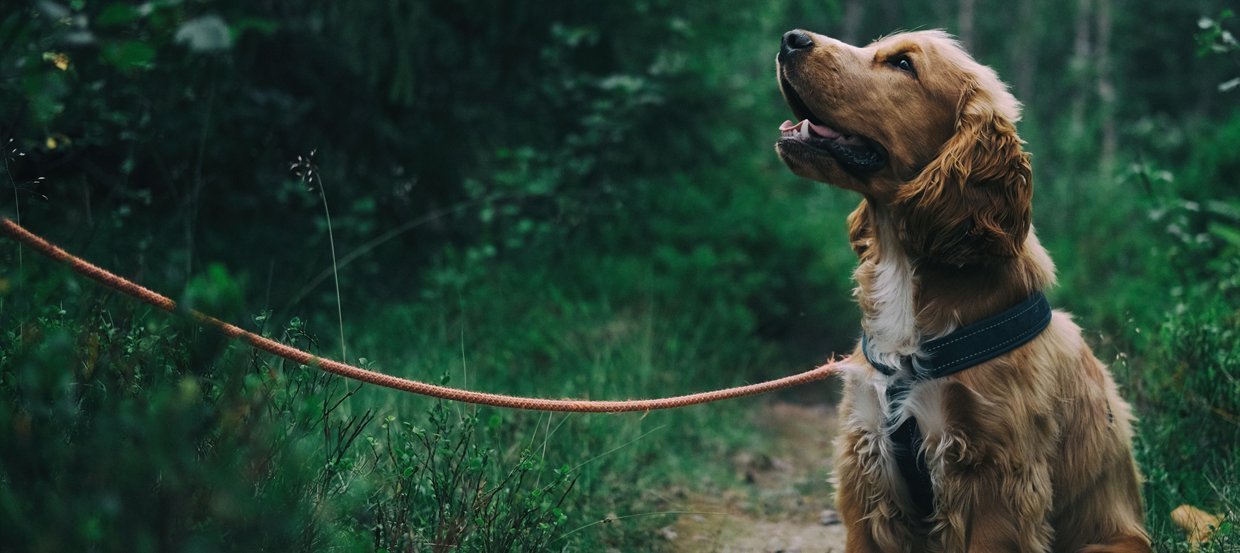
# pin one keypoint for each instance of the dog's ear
(860, 229)
(973, 203)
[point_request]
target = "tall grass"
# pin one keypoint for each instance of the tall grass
(591, 324)
(305, 169)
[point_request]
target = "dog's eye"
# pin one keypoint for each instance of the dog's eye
(901, 62)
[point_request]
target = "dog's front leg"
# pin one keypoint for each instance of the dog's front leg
(995, 509)
(864, 498)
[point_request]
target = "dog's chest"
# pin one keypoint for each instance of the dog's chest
(887, 291)
(903, 421)
(883, 401)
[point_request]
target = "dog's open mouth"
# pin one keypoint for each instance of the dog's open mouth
(856, 153)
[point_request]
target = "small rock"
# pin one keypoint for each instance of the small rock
(668, 533)
(829, 517)
(780, 464)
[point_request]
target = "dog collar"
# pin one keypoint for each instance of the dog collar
(968, 346)
(973, 344)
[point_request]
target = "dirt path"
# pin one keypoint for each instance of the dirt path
(786, 504)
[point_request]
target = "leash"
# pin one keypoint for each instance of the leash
(131, 289)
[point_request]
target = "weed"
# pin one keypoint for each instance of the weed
(305, 169)
(447, 492)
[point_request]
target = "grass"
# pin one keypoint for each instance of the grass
(1190, 381)
(310, 176)
(573, 346)
(429, 476)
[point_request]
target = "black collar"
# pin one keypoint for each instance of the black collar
(975, 343)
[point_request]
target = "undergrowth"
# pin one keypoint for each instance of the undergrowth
(117, 421)
(120, 421)
(557, 206)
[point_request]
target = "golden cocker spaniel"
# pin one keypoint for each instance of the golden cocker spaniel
(974, 417)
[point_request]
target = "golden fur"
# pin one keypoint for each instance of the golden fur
(1030, 451)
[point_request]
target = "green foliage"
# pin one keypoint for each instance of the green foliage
(1214, 162)
(558, 199)
(1189, 381)
(164, 437)
(110, 429)
(447, 492)
(1215, 39)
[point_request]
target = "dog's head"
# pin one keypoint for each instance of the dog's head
(918, 127)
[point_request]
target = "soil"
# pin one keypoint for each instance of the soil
(785, 502)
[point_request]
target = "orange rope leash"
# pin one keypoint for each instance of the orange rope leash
(120, 284)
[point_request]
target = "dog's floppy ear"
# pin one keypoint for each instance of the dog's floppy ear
(973, 203)
(860, 231)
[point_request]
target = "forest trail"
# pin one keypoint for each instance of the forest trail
(786, 504)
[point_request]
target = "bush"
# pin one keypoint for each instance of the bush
(116, 435)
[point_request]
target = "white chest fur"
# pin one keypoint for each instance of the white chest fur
(872, 412)
(873, 418)
(890, 293)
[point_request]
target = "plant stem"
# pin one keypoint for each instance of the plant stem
(21, 266)
(344, 357)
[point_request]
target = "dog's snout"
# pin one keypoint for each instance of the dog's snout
(794, 41)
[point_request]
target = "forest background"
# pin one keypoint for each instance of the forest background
(562, 199)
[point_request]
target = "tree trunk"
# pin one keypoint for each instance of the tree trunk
(1106, 87)
(854, 15)
(1080, 66)
(1025, 56)
(1078, 71)
(964, 23)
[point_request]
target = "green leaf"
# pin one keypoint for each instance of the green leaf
(258, 25)
(46, 93)
(214, 291)
(1228, 234)
(117, 14)
(129, 55)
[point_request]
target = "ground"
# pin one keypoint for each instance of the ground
(786, 503)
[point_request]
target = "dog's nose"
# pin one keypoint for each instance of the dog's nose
(796, 40)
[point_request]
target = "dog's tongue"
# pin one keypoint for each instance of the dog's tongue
(805, 125)
(805, 128)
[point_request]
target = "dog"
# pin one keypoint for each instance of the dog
(974, 417)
